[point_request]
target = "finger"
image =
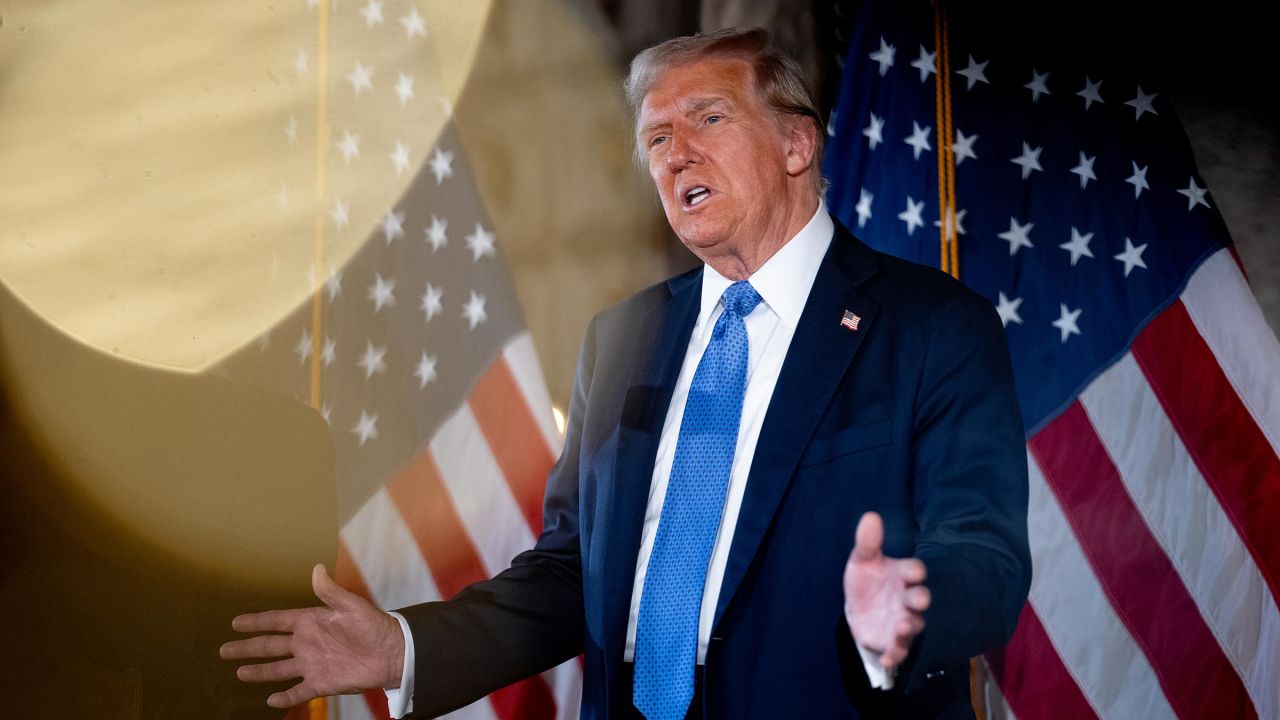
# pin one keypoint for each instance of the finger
(897, 649)
(912, 571)
(906, 629)
(892, 657)
(869, 537)
(269, 621)
(296, 695)
(330, 592)
(269, 672)
(917, 598)
(263, 646)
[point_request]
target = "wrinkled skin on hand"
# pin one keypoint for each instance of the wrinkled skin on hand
(346, 646)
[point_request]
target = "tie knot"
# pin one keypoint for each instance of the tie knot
(740, 298)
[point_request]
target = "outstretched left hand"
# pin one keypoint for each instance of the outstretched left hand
(884, 597)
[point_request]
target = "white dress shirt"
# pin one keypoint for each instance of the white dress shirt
(783, 282)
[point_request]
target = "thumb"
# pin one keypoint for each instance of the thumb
(869, 537)
(329, 592)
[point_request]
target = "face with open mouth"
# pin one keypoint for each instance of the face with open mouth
(717, 156)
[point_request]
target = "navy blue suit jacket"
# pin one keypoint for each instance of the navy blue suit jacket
(913, 415)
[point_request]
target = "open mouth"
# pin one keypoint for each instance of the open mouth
(696, 195)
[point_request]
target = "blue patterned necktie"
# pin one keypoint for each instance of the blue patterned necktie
(667, 628)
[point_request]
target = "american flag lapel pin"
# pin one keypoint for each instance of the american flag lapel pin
(850, 320)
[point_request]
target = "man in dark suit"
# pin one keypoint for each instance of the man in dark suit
(727, 430)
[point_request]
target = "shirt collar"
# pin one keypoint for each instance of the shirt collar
(785, 279)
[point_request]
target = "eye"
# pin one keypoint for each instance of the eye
(714, 119)
(657, 140)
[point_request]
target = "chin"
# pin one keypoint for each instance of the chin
(700, 235)
(701, 245)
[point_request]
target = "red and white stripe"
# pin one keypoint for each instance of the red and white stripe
(457, 514)
(522, 361)
(1153, 513)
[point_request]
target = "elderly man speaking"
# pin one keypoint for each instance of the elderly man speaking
(793, 482)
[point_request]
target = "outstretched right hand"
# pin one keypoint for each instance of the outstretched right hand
(348, 646)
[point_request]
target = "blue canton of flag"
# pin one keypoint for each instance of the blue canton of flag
(1079, 211)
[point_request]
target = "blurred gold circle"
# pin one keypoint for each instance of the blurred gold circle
(166, 183)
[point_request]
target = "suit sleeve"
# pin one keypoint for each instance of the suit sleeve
(525, 620)
(970, 492)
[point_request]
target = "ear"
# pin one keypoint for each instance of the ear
(802, 140)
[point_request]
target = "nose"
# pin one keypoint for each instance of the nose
(681, 153)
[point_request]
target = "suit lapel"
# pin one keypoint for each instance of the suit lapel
(821, 352)
(644, 409)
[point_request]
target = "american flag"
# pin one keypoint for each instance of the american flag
(412, 348)
(1148, 379)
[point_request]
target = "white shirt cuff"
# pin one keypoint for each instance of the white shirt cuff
(400, 700)
(880, 678)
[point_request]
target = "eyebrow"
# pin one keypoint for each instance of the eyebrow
(700, 104)
(694, 106)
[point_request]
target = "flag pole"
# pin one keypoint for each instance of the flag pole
(318, 709)
(322, 145)
(948, 251)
